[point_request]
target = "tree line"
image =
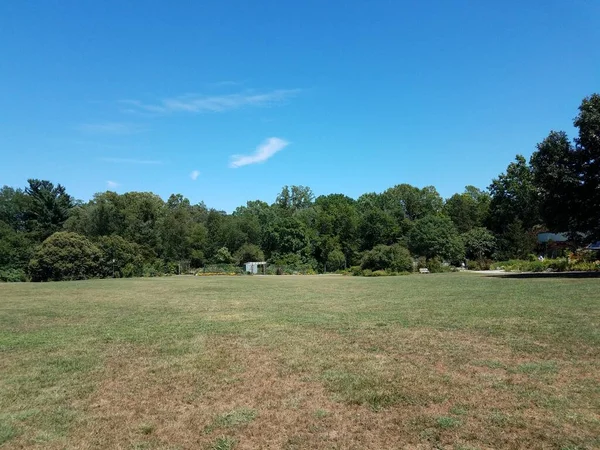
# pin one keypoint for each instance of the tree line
(46, 234)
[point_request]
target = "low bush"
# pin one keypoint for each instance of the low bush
(356, 271)
(13, 275)
(547, 265)
(131, 270)
(222, 268)
(484, 264)
(388, 257)
(65, 256)
(435, 265)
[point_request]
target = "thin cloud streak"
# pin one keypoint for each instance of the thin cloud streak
(112, 184)
(192, 103)
(263, 152)
(195, 174)
(112, 128)
(131, 161)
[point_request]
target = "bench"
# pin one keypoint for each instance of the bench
(423, 270)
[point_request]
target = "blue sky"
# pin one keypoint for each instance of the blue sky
(228, 101)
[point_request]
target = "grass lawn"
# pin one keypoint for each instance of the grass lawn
(453, 361)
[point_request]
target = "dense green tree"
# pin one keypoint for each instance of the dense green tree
(514, 197)
(469, 209)
(176, 228)
(287, 235)
(336, 260)
(336, 226)
(388, 257)
(65, 256)
(295, 198)
(223, 256)
(479, 243)
(515, 242)
(115, 254)
(436, 236)
(248, 253)
(15, 248)
(375, 225)
(568, 176)
(11, 207)
(46, 206)
(409, 202)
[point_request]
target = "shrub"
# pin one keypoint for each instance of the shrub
(472, 265)
(223, 256)
(379, 273)
(13, 275)
(222, 269)
(116, 254)
(249, 252)
(559, 264)
(171, 268)
(435, 266)
(335, 260)
(131, 270)
(553, 265)
(65, 256)
(356, 271)
(149, 271)
(388, 257)
(483, 264)
(197, 258)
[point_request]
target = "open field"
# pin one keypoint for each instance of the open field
(453, 361)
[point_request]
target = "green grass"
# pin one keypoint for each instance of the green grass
(235, 418)
(448, 360)
(223, 443)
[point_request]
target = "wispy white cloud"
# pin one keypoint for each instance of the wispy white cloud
(263, 152)
(194, 103)
(130, 161)
(224, 83)
(112, 184)
(195, 174)
(112, 128)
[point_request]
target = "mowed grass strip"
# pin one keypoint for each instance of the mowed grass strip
(440, 361)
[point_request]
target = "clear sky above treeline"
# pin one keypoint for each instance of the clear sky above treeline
(227, 101)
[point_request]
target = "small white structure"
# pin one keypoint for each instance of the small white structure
(252, 267)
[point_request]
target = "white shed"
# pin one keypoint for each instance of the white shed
(252, 267)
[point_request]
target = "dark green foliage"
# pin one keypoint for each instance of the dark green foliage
(116, 254)
(13, 275)
(409, 202)
(223, 256)
(515, 242)
(65, 256)
(248, 253)
(15, 248)
(375, 224)
(287, 235)
(295, 198)
(568, 175)
(514, 197)
(555, 173)
(469, 209)
(336, 260)
(388, 257)
(479, 243)
(46, 206)
(436, 236)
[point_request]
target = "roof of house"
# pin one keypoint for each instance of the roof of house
(594, 246)
(554, 237)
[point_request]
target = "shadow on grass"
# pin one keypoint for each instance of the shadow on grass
(546, 275)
